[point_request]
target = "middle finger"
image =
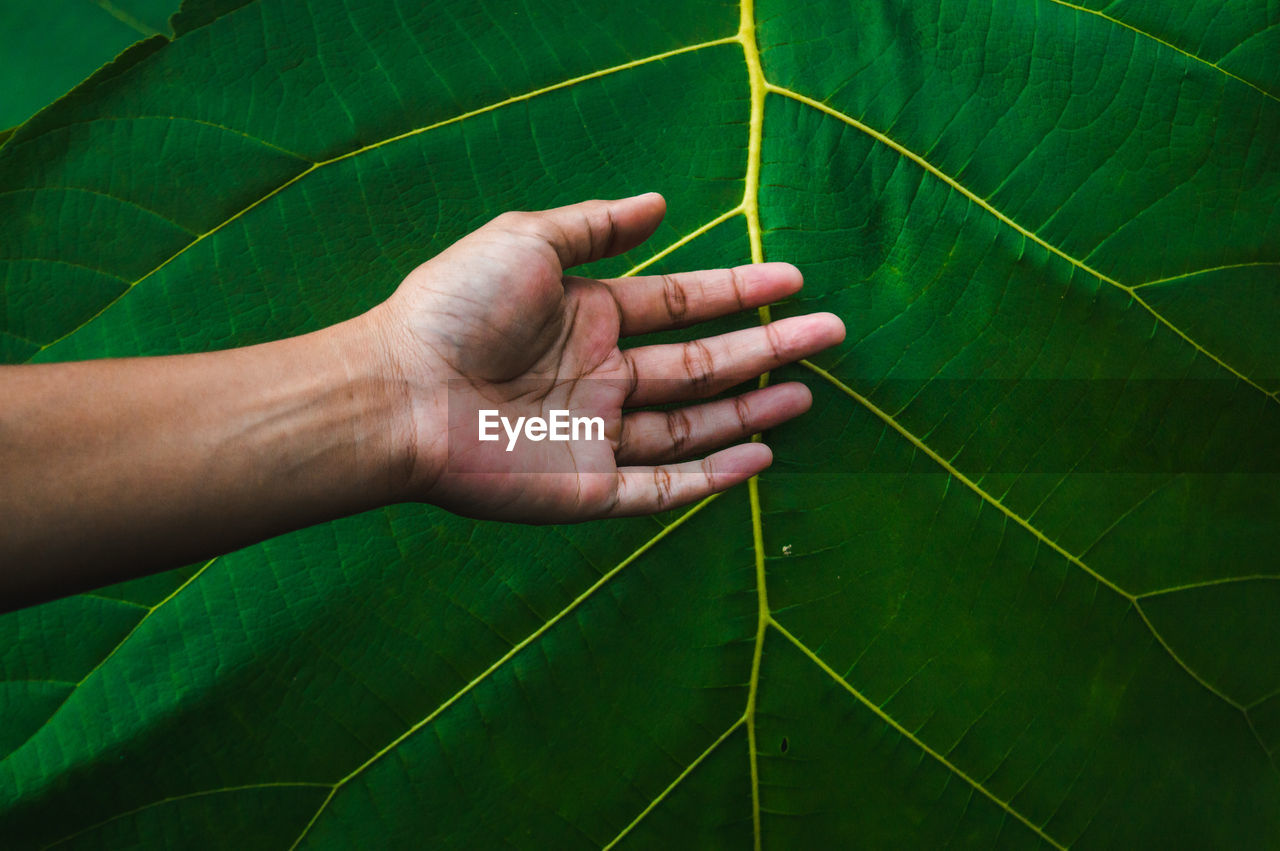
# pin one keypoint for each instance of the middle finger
(678, 371)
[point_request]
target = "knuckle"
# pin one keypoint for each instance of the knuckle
(623, 444)
(739, 288)
(599, 227)
(662, 487)
(612, 498)
(675, 297)
(512, 220)
(680, 430)
(743, 412)
(610, 229)
(777, 345)
(553, 231)
(709, 471)
(631, 377)
(596, 494)
(590, 228)
(699, 364)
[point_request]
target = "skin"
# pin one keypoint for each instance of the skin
(114, 469)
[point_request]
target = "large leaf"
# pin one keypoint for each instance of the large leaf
(1012, 582)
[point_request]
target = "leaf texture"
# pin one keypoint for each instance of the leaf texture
(1012, 583)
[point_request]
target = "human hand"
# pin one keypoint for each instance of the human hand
(163, 461)
(493, 322)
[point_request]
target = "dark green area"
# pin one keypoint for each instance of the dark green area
(48, 47)
(1007, 611)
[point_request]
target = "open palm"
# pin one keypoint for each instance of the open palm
(494, 323)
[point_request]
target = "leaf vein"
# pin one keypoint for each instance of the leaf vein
(1028, 526)
(676, 782)
(389, 140)
(302, 784)
(905, 733)
(1169, 45)
(757, 89)
(502, 660)
(986, 205)
(1195, 272)
(150, 611)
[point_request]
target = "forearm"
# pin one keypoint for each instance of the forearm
(116, 468)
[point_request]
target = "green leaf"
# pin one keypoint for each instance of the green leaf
(1013, 582)
(46, 48)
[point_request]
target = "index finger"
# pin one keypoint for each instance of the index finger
(586, 231)
(657, 302)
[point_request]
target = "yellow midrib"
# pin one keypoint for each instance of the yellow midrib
(759, 88)
(751, 208)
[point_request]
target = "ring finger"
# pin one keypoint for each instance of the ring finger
(656, 437)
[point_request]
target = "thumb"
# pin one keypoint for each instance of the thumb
(589, 230)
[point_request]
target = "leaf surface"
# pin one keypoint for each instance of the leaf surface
(47, 48)
(1011, 583)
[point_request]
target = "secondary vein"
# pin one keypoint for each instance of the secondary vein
(315, 166)
(1215, 66)
(501, 661)
(1031, 235)
(907, 734)
(1133, 599)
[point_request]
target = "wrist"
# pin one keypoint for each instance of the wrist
(383, 445)
(406, 399)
